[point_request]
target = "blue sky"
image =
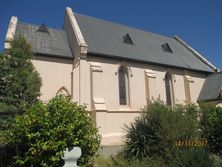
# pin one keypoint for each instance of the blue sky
(198, 22)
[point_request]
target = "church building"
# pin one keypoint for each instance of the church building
(115, 70)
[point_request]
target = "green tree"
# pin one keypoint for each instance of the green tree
(46, 129)
(211, 122)
(19, 81)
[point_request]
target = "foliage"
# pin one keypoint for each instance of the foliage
(19, 81)
(154, 133)
(211, 122)
(45, 130)
(193, 157)
(186, 157)
(119, 161)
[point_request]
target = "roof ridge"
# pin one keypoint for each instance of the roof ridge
(119, 24)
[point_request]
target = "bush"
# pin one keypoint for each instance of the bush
(211, 122)
(192, 157)
(154, 133)
(45, 130)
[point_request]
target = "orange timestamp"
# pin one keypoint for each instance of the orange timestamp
(191, 143)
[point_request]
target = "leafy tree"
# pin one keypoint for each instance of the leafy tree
(19, 81)
(43, 132)
(211, 122)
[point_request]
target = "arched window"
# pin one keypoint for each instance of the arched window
(123, 85)
(169, 89)
(63, 91)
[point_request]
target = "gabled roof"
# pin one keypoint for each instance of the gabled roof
(104, 38)
(212, 88)
(44, 40)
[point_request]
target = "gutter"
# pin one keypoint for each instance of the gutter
(198, 55)
(94, 54)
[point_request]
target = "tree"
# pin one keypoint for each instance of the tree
(19, 81)
(43, 132)
(211, 122)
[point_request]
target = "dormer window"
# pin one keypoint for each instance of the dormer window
(127, 39)
(42, 28)
(166, 48)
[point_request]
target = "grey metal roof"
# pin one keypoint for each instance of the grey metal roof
(212, 88)
(53, 43)
(106, 38)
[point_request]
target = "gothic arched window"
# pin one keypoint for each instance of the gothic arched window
(123, 85)
(63, 91)
(169, 89)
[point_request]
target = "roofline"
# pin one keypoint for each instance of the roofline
(52, 55)
(198, 55)
(94, 54)
(38, 25)
(124, 25)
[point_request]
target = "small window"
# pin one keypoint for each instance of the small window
(123, 86)
(166, 48)
(127, 39)
(42, 28)
(169, 89)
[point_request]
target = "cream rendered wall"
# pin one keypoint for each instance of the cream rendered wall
(55, 73)
(111, 125)
(112, 120)
(196, 85)
(75, 85)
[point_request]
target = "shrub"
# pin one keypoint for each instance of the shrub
(154, 133)
(211, 122)
(45, 130)
(192, 157)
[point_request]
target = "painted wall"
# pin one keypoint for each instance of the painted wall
(94, 82)
(110, 116)
(137, 83)
(55, 73)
